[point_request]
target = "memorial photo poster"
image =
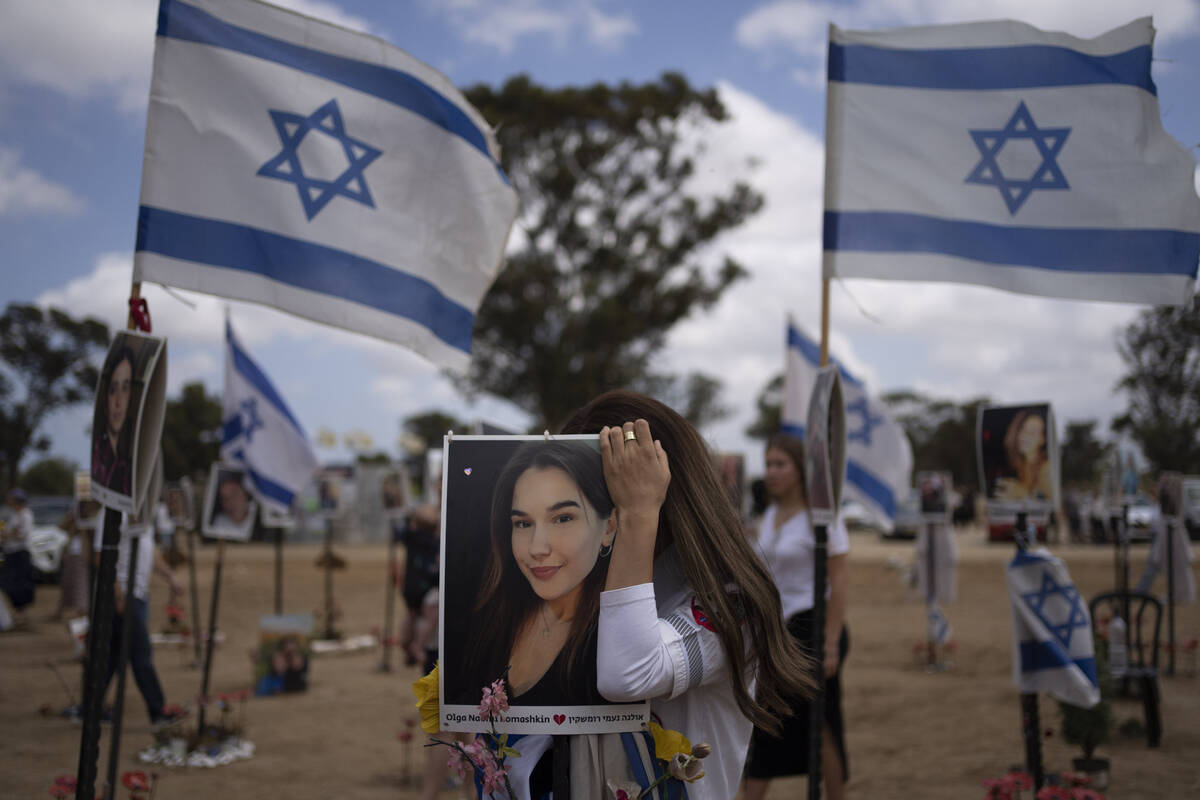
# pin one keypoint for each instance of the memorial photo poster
(87, 508)
(936, 492)
(180, 503)
(335, 490)
(127, 420)
(1018, 457)
(527, 527)
(283, 654)
(229, 508)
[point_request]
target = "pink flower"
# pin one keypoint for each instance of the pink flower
(1081, 793)
(1053, 793)
(495, 700)
(623, 790)
(458, 762)
(999, 788)
(494, 775)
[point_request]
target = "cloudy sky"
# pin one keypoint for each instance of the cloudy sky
(74, 77)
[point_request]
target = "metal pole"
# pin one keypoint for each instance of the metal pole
(329, 633)
(1031, 727)
(389, 603)
(816, 716)
(930, 589)
(95, 671)
(114, 745)
(1170, 544)
(279, 570)
(195, 592)
(212, 635)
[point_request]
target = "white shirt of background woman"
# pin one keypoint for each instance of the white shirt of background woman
(788, 553)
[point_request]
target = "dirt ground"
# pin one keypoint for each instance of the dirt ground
(910, 733)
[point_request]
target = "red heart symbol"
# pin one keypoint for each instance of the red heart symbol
(559, 719)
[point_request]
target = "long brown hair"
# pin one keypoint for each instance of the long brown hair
(793, 448)
(505, 594)
(730, 581)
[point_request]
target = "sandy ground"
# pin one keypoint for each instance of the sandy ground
(910, 733)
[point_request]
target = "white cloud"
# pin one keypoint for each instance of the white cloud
(501, 25)
(80, 47)
(24, 190)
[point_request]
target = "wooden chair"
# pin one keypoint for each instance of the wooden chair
(1142, 613)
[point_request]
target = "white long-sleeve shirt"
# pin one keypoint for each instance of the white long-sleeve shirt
(654, 643)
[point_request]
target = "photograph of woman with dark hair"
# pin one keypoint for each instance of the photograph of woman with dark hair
(1025, 447)
(112, 425)
(551, 529)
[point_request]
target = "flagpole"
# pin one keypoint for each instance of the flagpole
(191, 540)
(389, 602)
(95, 673)
(1031, 726)
(212, 635)
(930, 593)
(824, 322)
(118, 714)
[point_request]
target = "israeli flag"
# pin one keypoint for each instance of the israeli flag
(998, 154)
(878, 455)
(259, 432)
(939, 625)
(320, 171)
(1052, 631)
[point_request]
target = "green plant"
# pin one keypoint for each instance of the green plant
(1090, 727)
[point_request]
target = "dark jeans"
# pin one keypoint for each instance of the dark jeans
(140, 657)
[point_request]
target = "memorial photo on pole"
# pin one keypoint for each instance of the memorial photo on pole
(87, 508)
(281, 660)
(127, 420)
(1018, 455)
(229, 510)
(527, 529)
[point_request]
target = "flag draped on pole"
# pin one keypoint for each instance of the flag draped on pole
(998, 154)
(321, 171)
(259, 432)
(878, 455)
(1052, 632)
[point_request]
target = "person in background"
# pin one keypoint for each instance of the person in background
(141, 654)
(16, 573)
(73, 597)
(786, 542)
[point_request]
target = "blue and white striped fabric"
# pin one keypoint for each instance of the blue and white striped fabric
(1052, 631)
(878, 455)
(998, 154)
(321, 171)
(259, 432)
(939, 624)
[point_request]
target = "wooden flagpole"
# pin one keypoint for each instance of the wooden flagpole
(95, 672)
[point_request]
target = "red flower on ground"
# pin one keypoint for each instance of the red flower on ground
(60, 791)
(135, 781)
(404, 736)
(67, 781)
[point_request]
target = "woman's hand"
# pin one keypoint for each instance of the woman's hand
(831, 660)
(637, 474)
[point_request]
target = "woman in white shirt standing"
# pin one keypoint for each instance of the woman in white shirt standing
(786, 543)
(690, 619)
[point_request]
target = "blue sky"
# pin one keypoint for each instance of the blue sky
(74, 76)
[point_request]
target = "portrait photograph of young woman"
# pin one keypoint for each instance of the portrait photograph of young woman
(528, 527)
(1018, 454)
(117, 417)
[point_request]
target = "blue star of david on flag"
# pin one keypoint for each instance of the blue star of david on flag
(1059, 607)
(251, 421)
(869, 421)
(1015, 191)
(315, 193)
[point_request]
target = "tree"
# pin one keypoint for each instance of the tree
(941, 432)
(191, 437)
(50, 476)
(1082, 454)
(696, 396)
(610, 243)
(770, 410)
(1161, 351)
(48, 364)
(431, 426)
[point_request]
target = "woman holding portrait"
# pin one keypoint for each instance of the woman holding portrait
(112, 434)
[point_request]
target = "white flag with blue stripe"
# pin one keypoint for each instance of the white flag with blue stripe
(1052, 631)
(320, 171)
(998, 154)
(878, 454)
(259, 431)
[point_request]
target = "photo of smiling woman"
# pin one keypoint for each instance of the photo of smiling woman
(112, 422)
(550, 530)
